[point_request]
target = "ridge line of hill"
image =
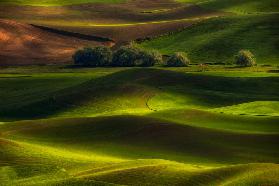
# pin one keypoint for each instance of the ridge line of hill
(74, 34)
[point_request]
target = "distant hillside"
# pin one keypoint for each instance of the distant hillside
(219, 39)
(238, 6)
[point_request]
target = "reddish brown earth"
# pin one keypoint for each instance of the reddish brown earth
(131, 11)
(21, 43)
(146, 24)
(81, 18)
(24, 44)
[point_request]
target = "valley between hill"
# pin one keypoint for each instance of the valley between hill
(210, 123)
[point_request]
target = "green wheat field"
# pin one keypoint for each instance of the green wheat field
(210, 123)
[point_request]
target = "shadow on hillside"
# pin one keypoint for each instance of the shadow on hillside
(135, 137)
(210, 91)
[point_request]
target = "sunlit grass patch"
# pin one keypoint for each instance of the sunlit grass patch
(219, 39)
(143, 125)
(238, 6)
(257, 108)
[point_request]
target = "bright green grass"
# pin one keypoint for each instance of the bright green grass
(128, 91)
(105, 137)
(55, 2)
(44, 169)
(171, 126)
(227, 122)
(219, 39)
(261, 108)
(238, 6)
(190, 128)
(32, 88)
(135, 91)
(127, 150)
(172, 95)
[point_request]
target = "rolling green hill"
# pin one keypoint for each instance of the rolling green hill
(56, 2)
(252, 25)
(138, 91)
(196, 125)
(219, 39)
(238, 6)
(121, 126)
(132, 150)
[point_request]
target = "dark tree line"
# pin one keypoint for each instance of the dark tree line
(130, 56)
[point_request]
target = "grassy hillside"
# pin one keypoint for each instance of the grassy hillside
(138, 126)
(48, 168)
(134, 151)
(55, 2)
(238, 6)
(120, 136)
(219, 39)
(196, 126)
(128, 91)
(253, 26)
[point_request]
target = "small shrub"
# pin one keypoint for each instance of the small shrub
(149, 58)
(97, 57)
(245, 58)
(178, 59)
(125, 56)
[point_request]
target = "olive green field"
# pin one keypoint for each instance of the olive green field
(211, 123)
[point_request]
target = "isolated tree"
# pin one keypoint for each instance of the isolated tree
(178, 59)
(149, 58)
(97, 57)
(245, 58)
(125, 56)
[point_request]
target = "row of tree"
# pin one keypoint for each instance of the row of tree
(126, 56)
(130, 56)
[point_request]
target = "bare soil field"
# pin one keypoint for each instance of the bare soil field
(25, 44)
(122, 22)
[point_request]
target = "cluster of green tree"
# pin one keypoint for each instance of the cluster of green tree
(126, 56)
(130, 56)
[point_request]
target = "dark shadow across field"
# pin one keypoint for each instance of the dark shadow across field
(205, 91)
